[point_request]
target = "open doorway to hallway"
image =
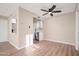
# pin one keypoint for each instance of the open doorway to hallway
(37, 29)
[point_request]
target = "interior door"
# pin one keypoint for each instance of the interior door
(3, 30)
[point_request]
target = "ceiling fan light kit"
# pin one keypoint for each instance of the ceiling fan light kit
(51, 11)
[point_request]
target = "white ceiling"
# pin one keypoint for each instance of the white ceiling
(7, 8)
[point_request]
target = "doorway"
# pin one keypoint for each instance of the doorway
(37, 29)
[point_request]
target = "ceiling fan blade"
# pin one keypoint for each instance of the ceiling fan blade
(58, 11)
(45, 14)
(51, 14)
(44, 10)
(53, 7)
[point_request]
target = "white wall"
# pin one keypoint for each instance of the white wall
(25, 20)
(60, 28)
(13, 37)
(3, 29)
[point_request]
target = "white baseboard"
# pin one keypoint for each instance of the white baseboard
(4, 41)
(61, 42)
(18, 48)
(22, 47)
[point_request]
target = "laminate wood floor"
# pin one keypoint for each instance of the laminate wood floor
(43, 48)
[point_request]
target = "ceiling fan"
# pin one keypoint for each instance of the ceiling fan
(51, 10)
